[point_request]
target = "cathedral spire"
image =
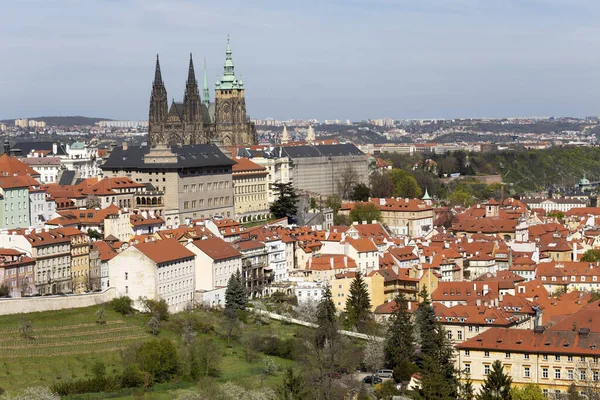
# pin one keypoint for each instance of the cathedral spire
(191, 74)
(157, 75)
(205, 92)
(228, 80)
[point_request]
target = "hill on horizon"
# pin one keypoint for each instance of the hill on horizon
(63, 121)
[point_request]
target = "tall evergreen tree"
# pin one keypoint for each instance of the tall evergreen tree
(286, 203)
(466, 390)
(426, 324)
(433, 381)
(399, 347)
(496, 385)
(358, 305)
(235, 294)
(326, 319)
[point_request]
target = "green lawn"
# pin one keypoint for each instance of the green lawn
(66, 343)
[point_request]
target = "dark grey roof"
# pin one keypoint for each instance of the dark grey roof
(26, 147)
(188, 156)
(324, 150)
(66, 178)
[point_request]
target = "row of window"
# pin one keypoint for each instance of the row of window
(217, 201)
(172, 273)
(250, 189)
(22, 218)
(573, 278)
(209, 186)
(162, 289)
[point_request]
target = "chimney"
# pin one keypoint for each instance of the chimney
(364, 222)
(382, 201)
(331, 262)
(346, 261)
(373, 222)
(574, 251)
(478, 303)
(54, 148)
(125, 146)
(409, 305)
(309, 263)
(486, 289)
(500, 298)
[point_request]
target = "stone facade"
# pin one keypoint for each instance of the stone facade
(195, 179)
(196, 120)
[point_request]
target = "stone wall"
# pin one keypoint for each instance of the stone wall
(52, 303)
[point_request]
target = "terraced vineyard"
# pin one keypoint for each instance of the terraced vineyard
(64, 347)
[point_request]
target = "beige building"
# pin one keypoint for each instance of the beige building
(340, 289)
(195, 179)
(550, 359)
(412, 217)
(250, 190)
(80, 259)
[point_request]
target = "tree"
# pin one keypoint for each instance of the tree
(286, 203)
(99, 369)
(591, 255)
(93, 201)
(157, 308)
(94, 234)
(326, 319)
(34, 393)
(497, 384)
(461, 197)
(207, 356)
(365, 212)
(433, 382)
(26, 329)
(158, 358)
(382, 185)
(527, 392)
(373, 357)
(346, 181)
(293, 386)
(313, 203)
(122, 305)
(426, 323)
(235, 294)
(399, 346)
(360, 192)
(466, 390)
(334, 202)
(154, 325)
(405, 185)
(572, 393)
(4, 290)
(358, 304)
(100, 315)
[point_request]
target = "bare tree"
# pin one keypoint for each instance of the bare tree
(92, 201)
(348, 178)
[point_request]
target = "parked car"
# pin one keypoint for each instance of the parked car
(372, 379)
(385, 373)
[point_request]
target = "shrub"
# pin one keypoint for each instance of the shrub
(122, 305)
(132, 376)
(158, 358)
(92, 385)
(189, 320)
(158, 308)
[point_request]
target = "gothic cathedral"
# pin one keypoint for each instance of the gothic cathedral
(197, 120)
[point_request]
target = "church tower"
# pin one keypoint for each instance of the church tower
(192, 113)
(232, 127)
(159, 108)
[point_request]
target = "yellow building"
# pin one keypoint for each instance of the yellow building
(552, 359)
(250, 190)
(340, 289)
(80, 259)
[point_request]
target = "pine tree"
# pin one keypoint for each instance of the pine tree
(235, 294)
(286, 203)
(399, 347)
(326, 319)
(293, 386)
(496, 385)
(573, 393)
(358, 305)
(466, 390)
(433, 381)
(426, 324)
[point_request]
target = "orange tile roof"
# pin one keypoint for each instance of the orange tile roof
(10, 165)
(106, 253)
(362, 245)
(245, 165)
(162, 251)
(217, 249)
(330, 262)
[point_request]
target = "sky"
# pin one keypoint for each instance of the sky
(323, 59)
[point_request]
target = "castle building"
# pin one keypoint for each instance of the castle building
(196, 120)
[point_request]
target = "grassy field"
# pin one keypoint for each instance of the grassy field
(64, 345)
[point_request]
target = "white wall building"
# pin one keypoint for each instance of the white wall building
(161, 269)
(216, 261)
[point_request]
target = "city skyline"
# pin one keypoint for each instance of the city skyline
(354, 60)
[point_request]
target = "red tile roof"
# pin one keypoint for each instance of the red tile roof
(162, 251)
(217, 249)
